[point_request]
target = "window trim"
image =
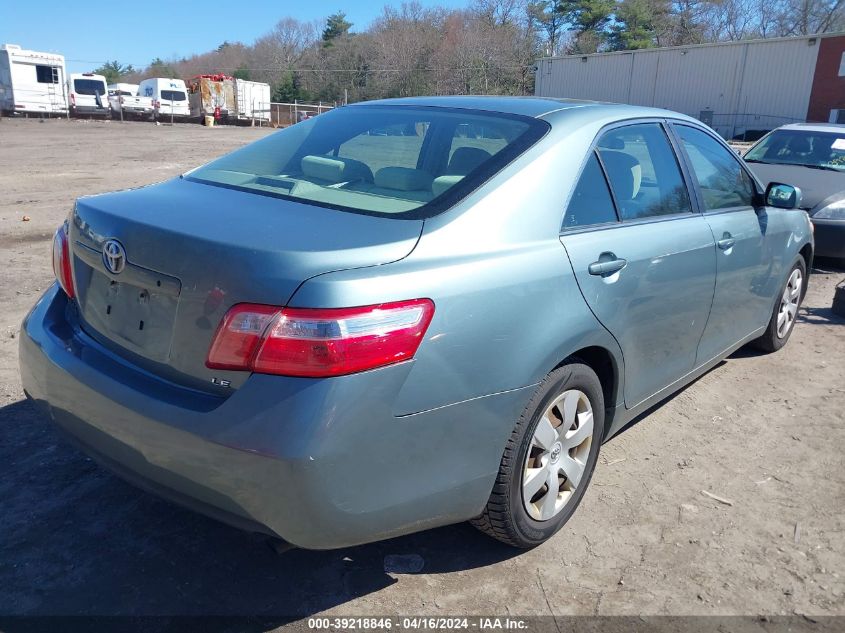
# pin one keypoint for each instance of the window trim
(755, 201)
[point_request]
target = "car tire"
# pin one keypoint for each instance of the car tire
(532, 454)
(786, 307)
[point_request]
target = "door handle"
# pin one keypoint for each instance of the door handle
(726, 242)
(607, 267)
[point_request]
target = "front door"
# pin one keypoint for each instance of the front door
(742, 301)
(647, 268)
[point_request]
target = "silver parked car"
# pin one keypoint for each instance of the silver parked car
(810, 156)
(409, 313)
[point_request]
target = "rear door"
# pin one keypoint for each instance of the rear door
(89, 92)
(745, 264)
(643, 257)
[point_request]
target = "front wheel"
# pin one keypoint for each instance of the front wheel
(785, 310)
(549, 459)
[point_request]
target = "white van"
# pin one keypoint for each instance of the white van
(88, 94)
(170, 97)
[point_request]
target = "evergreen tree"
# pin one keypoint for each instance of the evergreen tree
(336, 26)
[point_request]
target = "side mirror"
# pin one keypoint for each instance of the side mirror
(782, 196)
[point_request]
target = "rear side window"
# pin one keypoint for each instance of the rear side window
(591, 202)
(403, 161)
(722, 181)
(643, 172)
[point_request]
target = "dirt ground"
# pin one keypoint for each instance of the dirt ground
(766, 433)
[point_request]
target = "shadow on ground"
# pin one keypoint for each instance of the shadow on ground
(77, 540)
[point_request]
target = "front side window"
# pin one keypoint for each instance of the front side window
(643, 172)
(591, 202)
(723, 182)
(395, 160)
(807, 148)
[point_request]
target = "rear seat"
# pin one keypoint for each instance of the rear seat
(399, 182)
(404, 183)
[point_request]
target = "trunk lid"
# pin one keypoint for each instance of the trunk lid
(190, 251)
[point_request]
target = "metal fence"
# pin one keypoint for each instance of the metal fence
(283, 114)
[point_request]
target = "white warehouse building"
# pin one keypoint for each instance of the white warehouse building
(739, 88)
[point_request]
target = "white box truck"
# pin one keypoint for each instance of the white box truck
(31, 82)
(252, 100)
(229, 99)
(170, 97)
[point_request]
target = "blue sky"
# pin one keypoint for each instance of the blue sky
(90, 32)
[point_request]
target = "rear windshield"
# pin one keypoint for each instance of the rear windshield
(402, 161)
(89, 87)
(173, 95)
(808, 148)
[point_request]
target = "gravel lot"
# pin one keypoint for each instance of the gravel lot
(765, 432)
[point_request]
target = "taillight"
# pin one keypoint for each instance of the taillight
(318, 342)
(61, 261)
(72, 99)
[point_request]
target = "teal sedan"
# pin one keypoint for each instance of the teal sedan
(408, 313)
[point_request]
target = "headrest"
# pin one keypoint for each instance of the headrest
(403, 179)
(800, 145)
(335, 169)
(323, 168)
(465, 159)
(442, 183)
(624, 172)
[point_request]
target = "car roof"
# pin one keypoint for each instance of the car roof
(836, 128)
(529, 106)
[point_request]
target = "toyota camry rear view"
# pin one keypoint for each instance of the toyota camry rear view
(409, 313)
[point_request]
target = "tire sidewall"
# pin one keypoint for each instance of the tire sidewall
(575, 376)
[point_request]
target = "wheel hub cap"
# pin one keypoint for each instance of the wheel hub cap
(789, 303)
(558, 454)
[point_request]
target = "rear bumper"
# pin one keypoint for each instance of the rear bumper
(76, 109)
(830, 238)
(164, 113)
(318, 463)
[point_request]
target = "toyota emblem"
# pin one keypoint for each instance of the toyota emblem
(114, 256)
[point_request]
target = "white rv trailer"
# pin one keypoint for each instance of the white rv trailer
(31, 82)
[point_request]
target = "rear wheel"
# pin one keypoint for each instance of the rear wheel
(785, 310)
(549, 459)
